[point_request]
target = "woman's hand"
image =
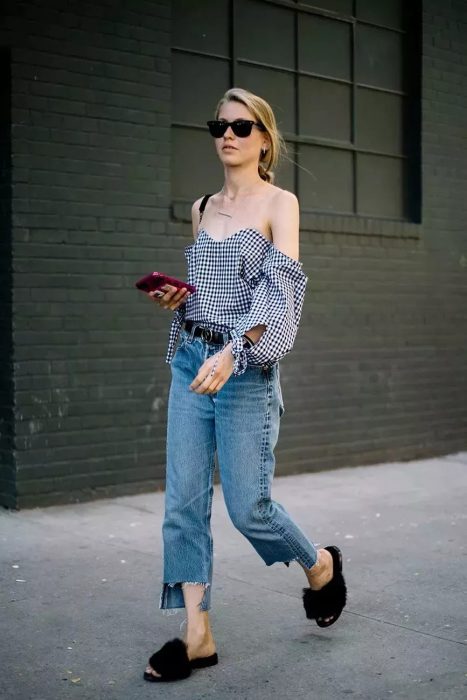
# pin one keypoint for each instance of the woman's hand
(170, 297)
(214, 372)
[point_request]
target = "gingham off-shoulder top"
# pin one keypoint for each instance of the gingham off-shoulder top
(242, 281)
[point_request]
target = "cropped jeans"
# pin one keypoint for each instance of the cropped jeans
(240, 422)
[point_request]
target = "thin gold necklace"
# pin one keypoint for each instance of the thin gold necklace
(224, 213)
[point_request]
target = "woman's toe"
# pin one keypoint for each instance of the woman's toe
(149, 669)
(325, 619)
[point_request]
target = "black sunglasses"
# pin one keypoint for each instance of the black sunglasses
(240, 127)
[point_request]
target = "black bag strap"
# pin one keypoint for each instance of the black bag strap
(203, 205)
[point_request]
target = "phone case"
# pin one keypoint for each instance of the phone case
(156, 280)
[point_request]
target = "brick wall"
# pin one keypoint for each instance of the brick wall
(379, 370)
(7, 468)
(90, 127)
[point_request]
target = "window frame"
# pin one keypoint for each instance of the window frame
(326, 220)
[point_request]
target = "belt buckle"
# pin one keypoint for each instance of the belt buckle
(206, 334)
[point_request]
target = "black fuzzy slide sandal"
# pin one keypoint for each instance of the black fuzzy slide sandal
(330, 600)
(173, 664)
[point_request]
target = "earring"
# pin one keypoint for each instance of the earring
(263, 153)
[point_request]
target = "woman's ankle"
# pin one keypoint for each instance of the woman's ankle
(321, 572)
(200, 642)
(198, 626)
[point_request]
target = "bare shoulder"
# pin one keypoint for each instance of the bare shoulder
(284, 217)
(284, 199)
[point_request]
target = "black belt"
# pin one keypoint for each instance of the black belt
(208, 334)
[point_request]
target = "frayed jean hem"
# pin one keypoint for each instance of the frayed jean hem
(172, 599)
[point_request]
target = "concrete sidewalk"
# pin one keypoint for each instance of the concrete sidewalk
(80, 592)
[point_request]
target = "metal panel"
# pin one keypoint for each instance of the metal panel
(340, 6)
(325, 108)
(265, 33)
(379, 57)
(380, 121)
(316, 36)
(195, 164)
(193, 96)
(385, 12)
(276, 87)
(201, 25)
(376, 178)
(329, 186)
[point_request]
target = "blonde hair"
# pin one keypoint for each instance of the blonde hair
(262, 112)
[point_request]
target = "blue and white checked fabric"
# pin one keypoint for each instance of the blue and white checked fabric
(242, 281)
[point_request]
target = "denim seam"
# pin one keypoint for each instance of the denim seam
(208, 509)
(265, 433)
(298, 551)
(210, 552)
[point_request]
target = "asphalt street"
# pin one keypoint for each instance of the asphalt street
(81, 583)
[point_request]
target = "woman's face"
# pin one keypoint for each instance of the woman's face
(233, 150)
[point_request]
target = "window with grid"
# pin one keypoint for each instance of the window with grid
(343, 79)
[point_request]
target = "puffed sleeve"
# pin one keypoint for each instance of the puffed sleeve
(277, 303)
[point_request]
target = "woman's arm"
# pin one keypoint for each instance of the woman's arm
(278, 296)
(284, 220)
(285, 223)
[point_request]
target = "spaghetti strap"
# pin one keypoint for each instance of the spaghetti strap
(203, 205)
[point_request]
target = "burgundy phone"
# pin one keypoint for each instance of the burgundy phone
(155, 280)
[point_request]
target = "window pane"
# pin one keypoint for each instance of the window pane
(378, 57)
(189, 80)
(385, 12)
(275, 87)
(329, 186)
(324, 46)
(380, 186)
(342, 6)
(195, 164)
(325, 109)
(265, 33)
(379, 121)
(202, 26)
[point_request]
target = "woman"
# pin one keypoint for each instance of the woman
(225, 393)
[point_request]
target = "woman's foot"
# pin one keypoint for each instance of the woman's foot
(200, 644)
(326, 596)
(321, 572)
